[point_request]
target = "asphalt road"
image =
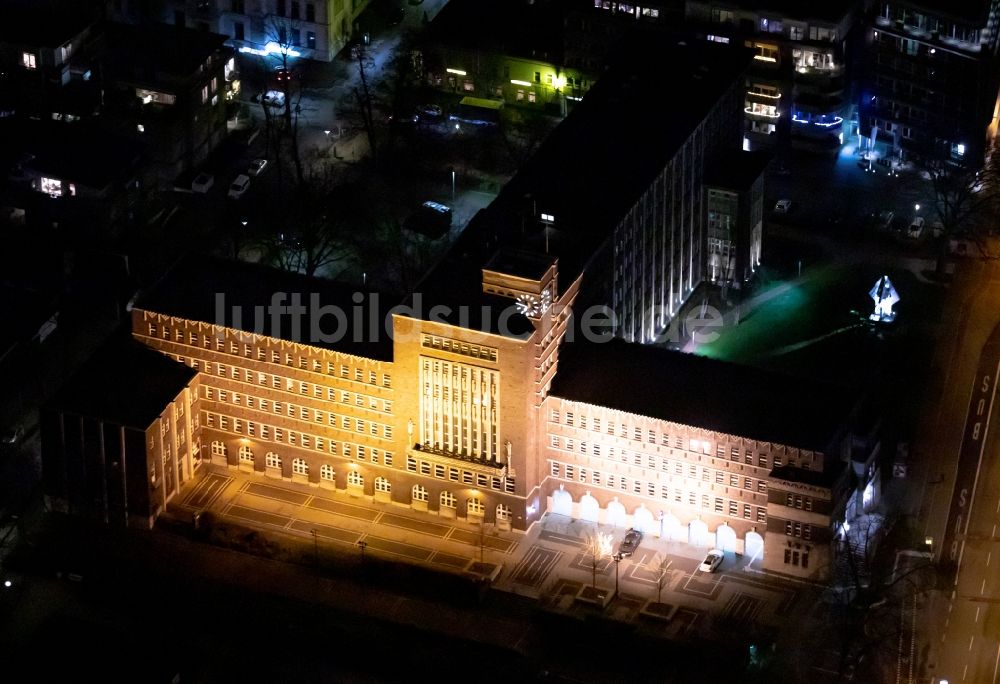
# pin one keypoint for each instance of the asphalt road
(968, 622)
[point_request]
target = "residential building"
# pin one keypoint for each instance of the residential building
(38, 43)
(594, 28)
(932, 84)
(73, 175)
(166, 88)
(503, 50)
(118, 449)
(799, 88)
(301, 28)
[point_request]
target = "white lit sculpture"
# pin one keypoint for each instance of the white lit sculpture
(885, 297)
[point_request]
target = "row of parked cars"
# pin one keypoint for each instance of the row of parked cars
(891, 222)
(204, 181)
(633, 537)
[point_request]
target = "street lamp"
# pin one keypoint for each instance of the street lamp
(916, 207)
(453, 185)
(618, 559)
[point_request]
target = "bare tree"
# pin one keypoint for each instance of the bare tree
(964, 195)
(364, 99)
(870, 591)
(599, 546)
(314, 228)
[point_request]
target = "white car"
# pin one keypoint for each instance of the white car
(712, 561)
(783, 206)
(272, 98)
(257, 167)
(239, 186)
(916, 228)
(202, 182)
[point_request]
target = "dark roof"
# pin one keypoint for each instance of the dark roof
(518, 28)
(124, 382)
(45, 23)
(25, 311)
(594, 166)
(197, 286)
(528, 265)
(157, 53)
(701, 392)
(816, 478)
(737, 171)
(77, 152)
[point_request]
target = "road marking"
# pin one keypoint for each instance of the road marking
(977, 613)
(965, 672)
(996, 664)
(982, 589)
(998, 505)
(971, 639)
(988, 556)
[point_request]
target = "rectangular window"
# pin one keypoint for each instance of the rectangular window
(554, 469)
(28, 60)
(310, 11)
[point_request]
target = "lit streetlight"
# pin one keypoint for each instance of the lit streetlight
(453, 185)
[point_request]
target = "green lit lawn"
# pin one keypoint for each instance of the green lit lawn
(807, 328)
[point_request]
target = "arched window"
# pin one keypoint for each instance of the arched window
(355, 479)
(326, 472)
(218, 449)
(475, 506)
(382, 485)
(447, 499)
(246, 454)
(503, 512)
(300, 467)
(272, 460)
(419, 493)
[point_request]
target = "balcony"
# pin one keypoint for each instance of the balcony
(429, 450)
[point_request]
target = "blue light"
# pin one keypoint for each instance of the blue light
(271, 48)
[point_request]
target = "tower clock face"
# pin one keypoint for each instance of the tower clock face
(532, 305)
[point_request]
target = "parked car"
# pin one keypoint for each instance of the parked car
(712, 561)
(239, 186)
(272, 98)
(257, 167)
(916, 228)
(783, 206)
(203, 182)
(630, 543)
(430, 110)
(432, 219)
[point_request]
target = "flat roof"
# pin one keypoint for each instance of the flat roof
(531, 30)
(157, 53)
(46, 23)
(701, 392)
(816, 478)
(79, 152)
(594, 166)
(123, 382)
(737, 171)
(203, 288)
(528, 265)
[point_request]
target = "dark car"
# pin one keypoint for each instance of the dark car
(432, 219)
(630, 543)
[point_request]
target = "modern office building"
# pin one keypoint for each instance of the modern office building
(932, 86)
(735, 203)
(496, 392)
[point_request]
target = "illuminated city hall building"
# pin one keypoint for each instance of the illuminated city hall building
(483, 396)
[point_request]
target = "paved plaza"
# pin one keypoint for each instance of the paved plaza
(659, 587)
